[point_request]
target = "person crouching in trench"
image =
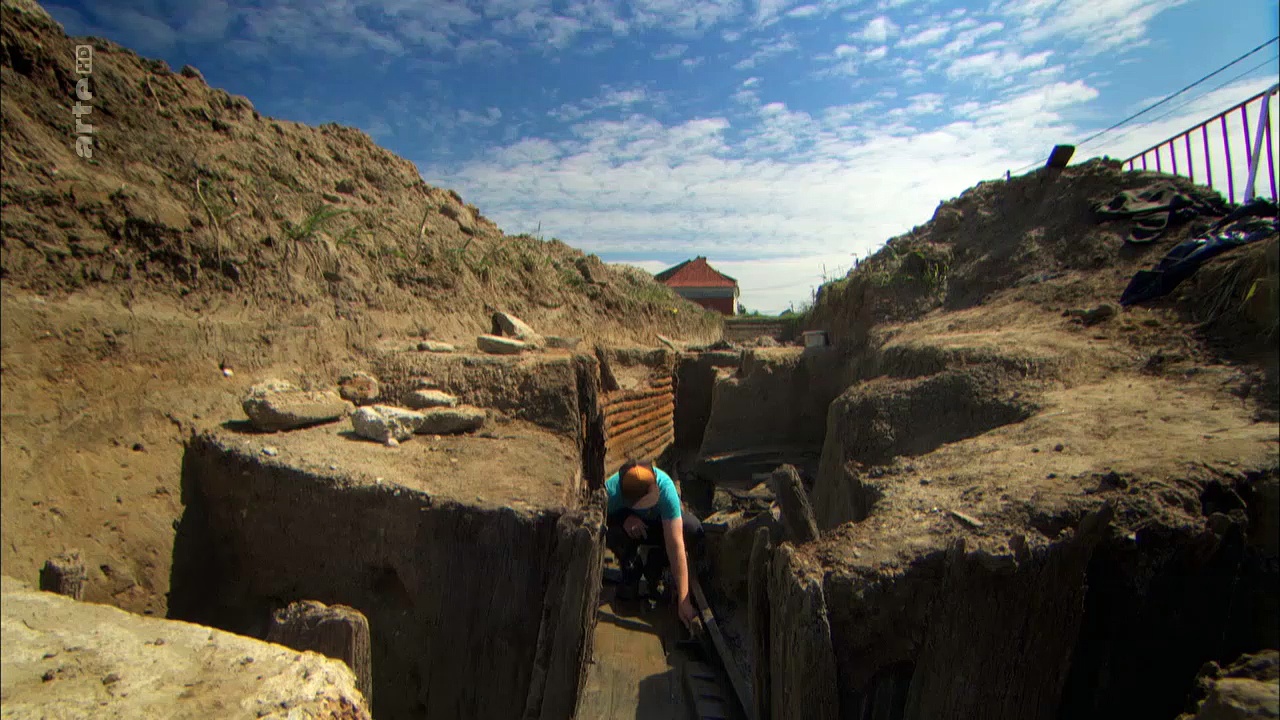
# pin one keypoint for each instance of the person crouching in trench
(645, 510)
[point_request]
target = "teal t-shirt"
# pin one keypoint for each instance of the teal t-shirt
(667, 507)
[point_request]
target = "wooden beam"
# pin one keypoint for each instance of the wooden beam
(741, 688)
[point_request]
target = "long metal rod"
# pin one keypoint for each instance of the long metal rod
(1191, 165)
(1226, 152)
(1254, 153)
(1271, 166)
(1204, 133)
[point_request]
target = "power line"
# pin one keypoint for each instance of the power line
(1162, 101)
(1171, 96)
(1158, 118)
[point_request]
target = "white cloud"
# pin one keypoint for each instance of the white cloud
(692, 62)
(970, 35)
(788, 189)
(995, 65)
(767, 50)
(928, 36)
(667, 52)
(608, 99)
(489, 118)
(1099, 25)
(878, 31)
(804, 11)
(751, 82)
(877, 53)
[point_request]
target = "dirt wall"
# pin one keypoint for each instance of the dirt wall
(696, 375)
(778, 398)
(1100, 621)
(637, 403)
(542, 389)
(475, 611)
(876, 421)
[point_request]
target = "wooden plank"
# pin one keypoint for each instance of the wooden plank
(621, 397)
(650, 451)
(638, 446)
(638, 435)
(613, 422)
(741, 688)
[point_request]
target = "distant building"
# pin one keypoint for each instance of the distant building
(697, 281)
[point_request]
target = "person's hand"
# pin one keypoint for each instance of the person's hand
(684, 608)
(634, 527)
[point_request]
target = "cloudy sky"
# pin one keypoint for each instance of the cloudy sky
(780, 138)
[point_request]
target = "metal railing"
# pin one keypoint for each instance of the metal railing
(1217, 152)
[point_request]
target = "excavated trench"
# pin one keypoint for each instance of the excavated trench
(476, 559)
(1096, 604)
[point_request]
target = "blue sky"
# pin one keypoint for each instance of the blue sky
(780, 138)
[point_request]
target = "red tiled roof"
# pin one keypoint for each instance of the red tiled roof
(694, 273)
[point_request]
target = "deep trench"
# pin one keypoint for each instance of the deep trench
(1114, 627)
(1143, 615)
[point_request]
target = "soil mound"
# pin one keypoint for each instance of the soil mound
(182, 190)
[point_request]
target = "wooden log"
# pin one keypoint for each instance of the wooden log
(658, 413)
(618, 420)
(639, 429)
(64, 574)
(630, 400)
(637, 438)
(758, 621)
(335, 631)
(650, 451)
(638, 447)
(797, 513)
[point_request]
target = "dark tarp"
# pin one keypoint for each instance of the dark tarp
(1157, 207)
(1250, 223)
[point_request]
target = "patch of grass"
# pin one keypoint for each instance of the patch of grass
(310, 226)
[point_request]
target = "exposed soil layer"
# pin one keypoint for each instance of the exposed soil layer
(67, 659)
(478, 574)
(203, 235)
(1026, 513)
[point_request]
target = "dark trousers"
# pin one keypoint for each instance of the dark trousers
(625, 548)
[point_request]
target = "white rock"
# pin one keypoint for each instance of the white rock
(383, 422)
(508, 325)
(280, 405)
(449, 420)
(500, 345)
(435, 346)
(425, 398)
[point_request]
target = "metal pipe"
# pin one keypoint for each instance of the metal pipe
(1271, 166)
(1208, 166)
(1254, 153)
(1191, 165)
(1226, 152)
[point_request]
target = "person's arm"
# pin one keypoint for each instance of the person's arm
(674, 531)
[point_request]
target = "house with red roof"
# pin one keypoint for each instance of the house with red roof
(697, 281)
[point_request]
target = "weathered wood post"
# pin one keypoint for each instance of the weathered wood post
(335, 631)
(64, 574)
(797, 513)
(758, 622)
